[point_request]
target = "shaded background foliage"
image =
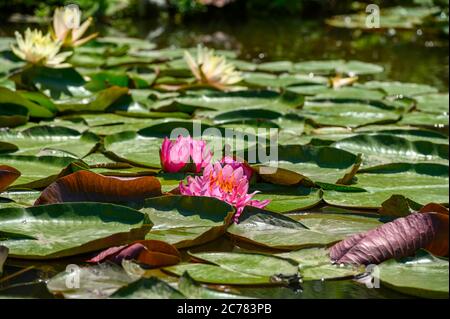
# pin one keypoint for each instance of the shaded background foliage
(121, 8)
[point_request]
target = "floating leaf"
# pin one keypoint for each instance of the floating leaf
(383, 181)
(277, 231)
(381, 149)
(94, 282)
(314, 264)
(423, 275)
(153, 253)
(398, 206)
(399, 238)
(3, 255)
(36, 139)
(193, 290)
(15, 98)
(86, 186)
(58, 230)
(36, 171)
(237, 268)
(399, 88)
(12, 115)
(8, 175)
(148, 288)
(185, 221)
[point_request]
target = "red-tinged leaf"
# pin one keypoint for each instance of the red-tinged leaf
(152, 253)
(439, 246)
(86, 186)
(8, 175)
(400, 238)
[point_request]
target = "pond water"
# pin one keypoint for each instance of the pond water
(410, 56)
(420, 56)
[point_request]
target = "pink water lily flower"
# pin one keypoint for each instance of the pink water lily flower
(176, 155)
(225, 183)
(235, 163)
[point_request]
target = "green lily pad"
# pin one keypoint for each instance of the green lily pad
(8, 97)
(147, 288)
(54, 231)
(381, 148)
(347, 114)
(320, 164)
(423, 183)
(186, 221)
(241, 100)
(12, 115)
(36, 171)
(423, 275)
(94, 282)
(277, 231)
(434, 103)
(424, 119)
(399, 88)
(236, 268)
(283, 80)
(338, 67)
(287, 198)
(194, 290)
(38, 138)
(315, 264)
(338, 224)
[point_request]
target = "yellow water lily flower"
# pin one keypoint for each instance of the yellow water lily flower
(37, 48)
(212, 69)
(67, 26)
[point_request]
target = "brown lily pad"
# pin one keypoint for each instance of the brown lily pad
(8, 175)
(153, 253)
(86, 186)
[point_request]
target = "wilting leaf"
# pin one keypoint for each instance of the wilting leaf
(399, 238)
(185, 221)
(148, 288)
(153, 253)
(398, 206)
(86, 186)
(8, 175)
(423, 275)
(58, 230)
